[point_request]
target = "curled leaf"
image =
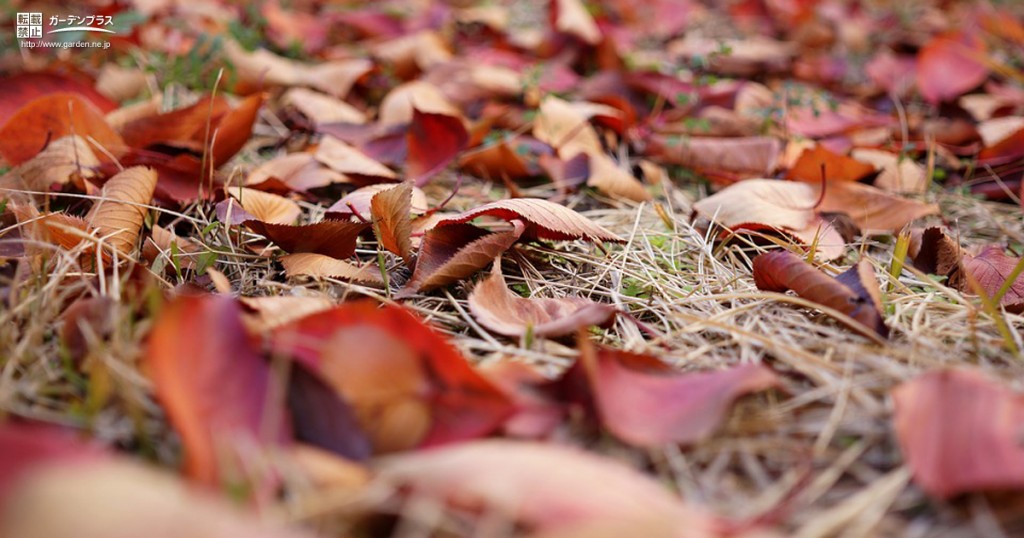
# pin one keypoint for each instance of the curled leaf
(854, 292)
(50, 117)
(453, 252)
(320, 266)
(119, 213)
(499, 309)
(266, 207)
(391, 221)
(333, 238)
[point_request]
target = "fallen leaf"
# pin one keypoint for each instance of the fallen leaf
(1005, 151)
(320, 266)
(119, 213)
(452, 252)
(321, 108)
(68, 159)
(233, 130)
(398, 105)
(213, 384)
(647, 406)
(894, 73)
(183, 126)
(262, 67)
(613, 180)
(124, 499)
(541, 486)
(358, 201)
(990, 268)
(958, 430)
(51, 117)
(872, 209)
(543, 219)
(565, 126)
(408, 386)
(268, 312)
(499, 309)
(20, 89)
(163, 241)
(897, 174)
(950, 65)
(333, 238)
(119, 83)
(392, 224)
(323, 419)
(747, 157)
(26, 447)
(854, 292)
(571, 17)
(298, 171)
(266, 207)
(344, 158)
(411, 53)
(809, 166)
(433, 141)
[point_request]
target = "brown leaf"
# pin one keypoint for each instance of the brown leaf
(266, 207)
(543, 219)
(434, 140)
(233, 130)
(358, 201)
(837, 167)
(321, 108)
(212, 383)
(184, 126)
(499, 309)
(613, 180)
(391, 221)
(542, 486)
(949, 65)
(854, 292)
(959, 432)
(64, 160)
(321, 266)
(333, 238)
(746, 157)
(160, 243)
(262, 67)
(452, 252)
(407, 385)
(51, 117)
(870, 208)
(565, 126)
(118, 215)
(647, 406)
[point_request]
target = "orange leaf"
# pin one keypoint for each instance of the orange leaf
(321, 266)
(51, 117)
(233, 130)
(959, 432)
(407, 385)
(266, 207)
(543, 219)
(181, 126)
(837, 167)
(854, 292)
(212, 383)
(497, 308)
(18, 90)
(118, 215)
(391, 222)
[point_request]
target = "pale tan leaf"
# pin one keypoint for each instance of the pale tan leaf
(574, 19)
(499, 309)
(264, 67)
(265, 206)
(996, 130)
(63, 160)
(456, 251)
(273, 311)
(346, 159)
(121, 499)
(161, 241)
(320, 266)
(493, 16)
(117, 119)
(119, 214)
(873, 210)
(392, 225)
(407, 53)
(120, 83)
(566, 128)
(544, 219)
(897, 175)
(614, 181)
(321, 108)
(300, 171)
(397, 106)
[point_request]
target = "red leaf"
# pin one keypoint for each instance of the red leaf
(333, 238)
(453, 252)
(434, 140)
(52, 117)
(408, 385)
(854, 293)
(650, 409)
(18, 90)
(212, 383)
(950, 65)
(959, 431)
